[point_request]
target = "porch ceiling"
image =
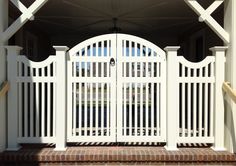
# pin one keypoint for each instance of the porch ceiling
(134, 16)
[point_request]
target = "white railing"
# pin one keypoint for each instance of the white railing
(37, 99)
(229, 91)
(4, 87)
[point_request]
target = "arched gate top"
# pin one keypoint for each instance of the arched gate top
(118, 38)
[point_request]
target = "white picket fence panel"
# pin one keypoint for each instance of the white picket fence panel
(196, 100)
(141, 90)
(117, 88)
(91, 91)
(36, 104)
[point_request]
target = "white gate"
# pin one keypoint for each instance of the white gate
(116, 90)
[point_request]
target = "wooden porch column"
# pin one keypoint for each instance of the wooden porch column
(12, 114)
(230, 112)
(3, 26)
(61, 97)
(219, 53)
(172, 125)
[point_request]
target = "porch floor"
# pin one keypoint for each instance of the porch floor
(112, 155)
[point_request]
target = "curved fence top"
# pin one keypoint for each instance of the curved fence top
(148, 44)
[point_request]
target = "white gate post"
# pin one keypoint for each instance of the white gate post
(172, 125)
(61, 71)
(219, 53)
(12, 103)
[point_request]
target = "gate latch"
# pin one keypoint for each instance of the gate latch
(112, 62)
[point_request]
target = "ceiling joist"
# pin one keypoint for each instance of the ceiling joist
(205, 16)
(27, 14)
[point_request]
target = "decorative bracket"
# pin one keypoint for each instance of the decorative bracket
(205, 15)
(27, 14)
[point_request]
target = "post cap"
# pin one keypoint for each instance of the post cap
(17, 48)
(219, 48)
(61, 48)
(172, 48)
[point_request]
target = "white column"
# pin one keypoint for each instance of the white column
(219, 53)
(172, 125)
(12, 115)
(230, 113)
(3, 26)
(61, 73)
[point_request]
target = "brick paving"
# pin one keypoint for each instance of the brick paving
(116, 155)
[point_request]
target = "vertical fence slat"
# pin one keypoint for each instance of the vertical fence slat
(152, 101)
(135, 104)
(146, 105)
(130, 106)
(102, 108)
(80, 109)
(125, 116)
(97, 109)
(206, 111)
(74, 107)
(26, 108)
(42, 111)
(108, 109)
(36, 112)
(49, 108)
(91, 109)
(194, 105)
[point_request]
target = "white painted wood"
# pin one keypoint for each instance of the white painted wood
(43, 119)
(135, 52)
(48, 109)
(208, 19)
(230, 107)
(100, 74)
(219, 53)
(200, 108)
(22, 8)
(12, 121)
(61, 97)
(20, 21)
(172, 91)
(20, 110)
(4, 15)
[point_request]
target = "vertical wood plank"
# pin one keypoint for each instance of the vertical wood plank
(91, 109)
(130, 106)
(80, 108)
(20, 127)
(37, 106)
(146, 106)
(125, 116)
(48, 109)
(74, 108)
(183, 109)
(206, 110)
(26, 109)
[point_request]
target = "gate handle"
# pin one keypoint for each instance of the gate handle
(112, 62)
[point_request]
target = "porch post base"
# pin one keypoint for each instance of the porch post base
(171, 148)
(13, 148)
(60, 149)
(215, 148)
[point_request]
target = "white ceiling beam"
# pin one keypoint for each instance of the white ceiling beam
(20, 21)
(205, 15)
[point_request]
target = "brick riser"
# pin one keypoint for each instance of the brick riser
(100, 155)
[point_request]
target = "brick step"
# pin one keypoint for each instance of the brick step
(116, 155)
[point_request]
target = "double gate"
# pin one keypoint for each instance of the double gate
(116, 90)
